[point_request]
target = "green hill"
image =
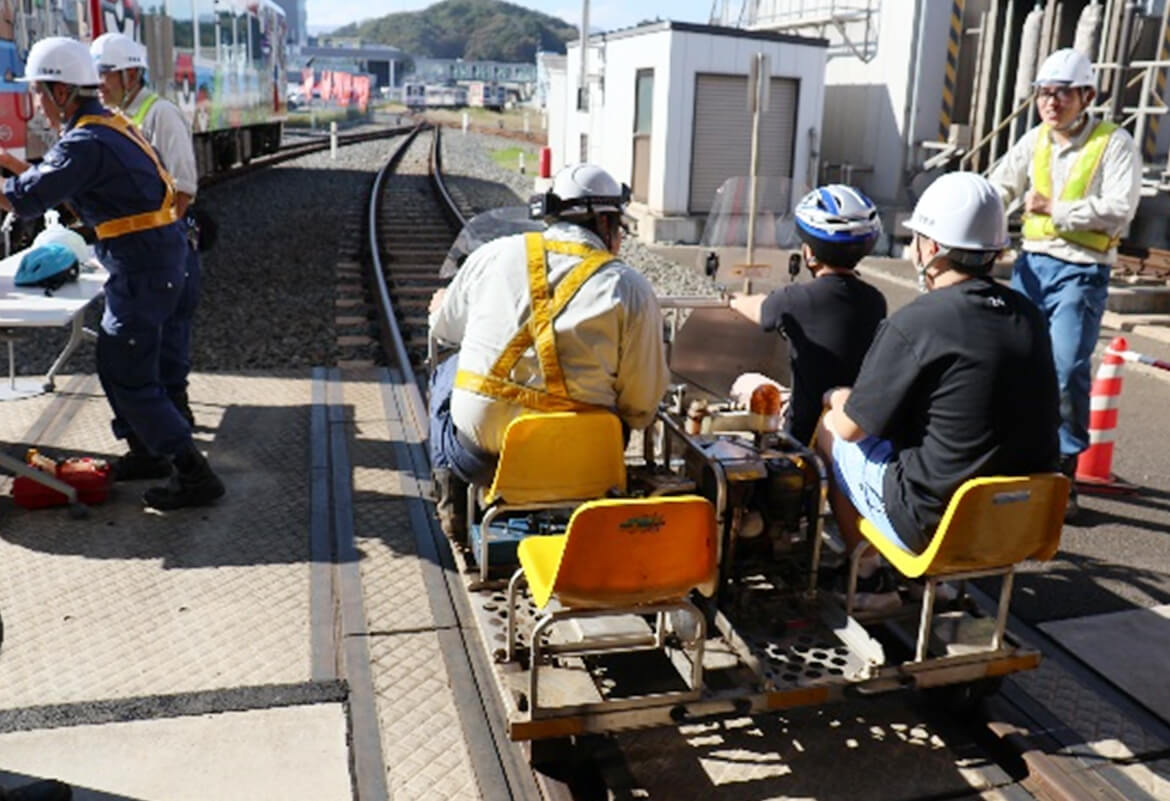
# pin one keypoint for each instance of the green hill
(468, 29)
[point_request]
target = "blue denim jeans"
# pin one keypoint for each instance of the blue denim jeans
(1072, 297)
(447, 452)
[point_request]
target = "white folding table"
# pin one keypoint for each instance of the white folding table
(24, 308)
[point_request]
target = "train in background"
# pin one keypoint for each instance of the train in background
(477, 94)
(221, 61)
(482, 94)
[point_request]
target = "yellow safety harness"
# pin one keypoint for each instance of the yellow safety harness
(166, 213)
(1040, 226)
(538, 332)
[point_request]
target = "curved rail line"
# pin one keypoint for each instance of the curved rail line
(404, 274)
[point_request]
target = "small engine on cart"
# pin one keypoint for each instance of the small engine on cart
(767, 488)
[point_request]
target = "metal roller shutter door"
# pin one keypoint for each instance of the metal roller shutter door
(723, 134)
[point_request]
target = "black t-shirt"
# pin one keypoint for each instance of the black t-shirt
(829, 323)
(962, 382)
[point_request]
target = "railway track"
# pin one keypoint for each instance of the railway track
(412, 220)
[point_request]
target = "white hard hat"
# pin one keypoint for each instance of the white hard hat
(588, 189)
(961, 210)
(117, 51)
(60, 59)
(1067, 67)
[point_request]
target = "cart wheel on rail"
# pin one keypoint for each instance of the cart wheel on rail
(964, 698)
(78, 511)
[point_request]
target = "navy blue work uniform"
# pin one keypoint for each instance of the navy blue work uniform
(119, 189)
(176, 346)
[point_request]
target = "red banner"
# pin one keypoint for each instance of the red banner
(307, 81)
(342, 87)
(361, 88)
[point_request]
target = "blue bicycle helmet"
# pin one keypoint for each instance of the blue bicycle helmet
(838, 223)
(49, 266)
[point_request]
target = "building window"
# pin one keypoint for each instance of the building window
(584, 147)
(643, 101)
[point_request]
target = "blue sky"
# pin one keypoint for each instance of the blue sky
(604, 14)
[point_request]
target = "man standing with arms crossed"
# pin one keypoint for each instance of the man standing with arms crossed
(1079, 179)
(121, 65)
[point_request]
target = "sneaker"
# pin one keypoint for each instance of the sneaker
(137, 465)
(50, 790)
(877, 592)
(195, 486)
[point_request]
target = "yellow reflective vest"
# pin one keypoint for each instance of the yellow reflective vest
(1040, 226)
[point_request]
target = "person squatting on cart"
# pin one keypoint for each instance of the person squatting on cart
(829, 321)
(121, 66)
(114, 180)
(958, 383)
(1080, 182)
(543, 322)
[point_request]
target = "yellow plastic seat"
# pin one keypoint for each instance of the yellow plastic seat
(989, 522)
(559, 455)
(620, 557)
(552, 460)
(990, 525)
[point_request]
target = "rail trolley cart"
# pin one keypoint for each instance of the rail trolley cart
(767, 637)
(759, 634)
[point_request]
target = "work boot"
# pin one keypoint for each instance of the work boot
(193, 484)
(139, 463)
(1068, 466)
(451, 503)
(51, 790)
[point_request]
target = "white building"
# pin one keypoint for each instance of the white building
(666, 111)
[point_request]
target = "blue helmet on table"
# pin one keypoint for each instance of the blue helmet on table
(49, 266)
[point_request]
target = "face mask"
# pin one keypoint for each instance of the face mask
(920, 268)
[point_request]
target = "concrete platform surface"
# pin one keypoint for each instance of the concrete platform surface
(286, 754)
(1131, 649)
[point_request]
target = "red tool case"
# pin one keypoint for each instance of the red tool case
(90, 477)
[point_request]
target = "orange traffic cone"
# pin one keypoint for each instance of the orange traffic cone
(1094, 467)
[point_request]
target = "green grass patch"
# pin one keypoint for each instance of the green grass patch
(509, 158)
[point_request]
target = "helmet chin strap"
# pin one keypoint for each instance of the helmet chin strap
(58, 108)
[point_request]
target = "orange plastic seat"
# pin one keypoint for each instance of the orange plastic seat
(620, 557)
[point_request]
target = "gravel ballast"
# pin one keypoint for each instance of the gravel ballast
(268, 289)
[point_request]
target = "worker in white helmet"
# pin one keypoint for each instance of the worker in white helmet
(958, 383)
(603, 349)
(1079, 179)
(121, 66)
(115, 181)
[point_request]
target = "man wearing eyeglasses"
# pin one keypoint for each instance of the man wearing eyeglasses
(1079, 179)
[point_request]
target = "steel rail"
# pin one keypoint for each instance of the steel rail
(502, 769)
